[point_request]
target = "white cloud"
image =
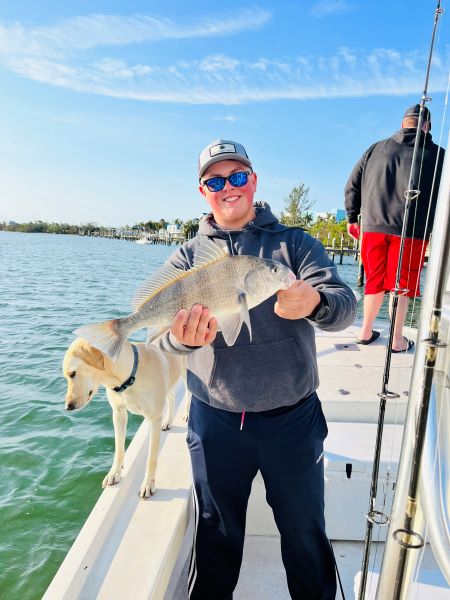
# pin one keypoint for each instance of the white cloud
(348, 55)
(218, 62)
(92, 31)
(329, 7)
(117, 68)
(72, 56)
(229, 118)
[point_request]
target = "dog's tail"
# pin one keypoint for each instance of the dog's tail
(104, 336)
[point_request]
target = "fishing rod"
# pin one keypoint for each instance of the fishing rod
(412, 193)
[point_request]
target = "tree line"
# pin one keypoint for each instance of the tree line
(188, 228)
(43, 227)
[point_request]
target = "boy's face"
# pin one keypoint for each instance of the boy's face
(232, 207)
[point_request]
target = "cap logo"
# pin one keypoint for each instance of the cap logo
(222, 149)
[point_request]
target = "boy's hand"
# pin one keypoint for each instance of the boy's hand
(298, 301)
(195, 327)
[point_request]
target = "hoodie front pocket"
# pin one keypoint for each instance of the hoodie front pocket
(257, 377)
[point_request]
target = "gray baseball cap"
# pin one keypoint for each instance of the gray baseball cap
(221, 150)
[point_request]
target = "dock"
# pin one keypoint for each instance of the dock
(134, 235)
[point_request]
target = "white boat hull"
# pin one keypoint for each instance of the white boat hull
(131, 549)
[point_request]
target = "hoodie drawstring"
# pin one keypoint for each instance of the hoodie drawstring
(242, 420)
(231, 243)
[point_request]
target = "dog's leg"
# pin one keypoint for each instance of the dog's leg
(168, 419)
(120, 418)
(148, 487)
(187, 404)
(187, 396)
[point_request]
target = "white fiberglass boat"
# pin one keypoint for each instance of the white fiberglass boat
(144, 239)
(131, 549)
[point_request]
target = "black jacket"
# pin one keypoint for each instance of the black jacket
(376, 187)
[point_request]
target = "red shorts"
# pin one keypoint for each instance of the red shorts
(380, 252)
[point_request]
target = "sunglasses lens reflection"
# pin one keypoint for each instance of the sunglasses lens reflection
(238, 179)
(216, 184)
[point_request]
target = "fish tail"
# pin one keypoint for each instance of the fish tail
(105, 336)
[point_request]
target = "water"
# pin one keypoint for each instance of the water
(53, 461)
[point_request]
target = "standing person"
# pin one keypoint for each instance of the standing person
(376, 191)
(254, 405)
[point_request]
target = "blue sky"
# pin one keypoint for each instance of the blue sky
(106, 105)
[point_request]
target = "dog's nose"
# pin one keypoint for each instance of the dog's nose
(70, 406)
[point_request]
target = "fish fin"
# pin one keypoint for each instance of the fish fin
(208, 252)
(105, 337)
(245, 316)
(164, 276)
(152, 334)
(230, 327)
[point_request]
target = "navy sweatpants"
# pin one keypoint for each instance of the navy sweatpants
(288, 450)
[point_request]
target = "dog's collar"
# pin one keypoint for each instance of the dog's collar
(132, 378)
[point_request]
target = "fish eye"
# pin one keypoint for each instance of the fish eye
(274, 269)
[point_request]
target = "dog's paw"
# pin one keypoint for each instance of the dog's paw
(112, 478)
(148, 488)
(165, 425)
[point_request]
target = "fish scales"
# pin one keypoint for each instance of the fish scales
(207, 286)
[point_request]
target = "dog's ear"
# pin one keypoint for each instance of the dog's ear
(91, 356)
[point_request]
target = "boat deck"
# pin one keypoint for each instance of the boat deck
(351, 376)
(133, 549)
(262, 574)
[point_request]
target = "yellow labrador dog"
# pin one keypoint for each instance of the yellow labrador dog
(140, 380)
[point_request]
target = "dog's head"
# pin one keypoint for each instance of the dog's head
(82, 367)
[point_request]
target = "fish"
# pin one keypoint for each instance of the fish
(228, 285)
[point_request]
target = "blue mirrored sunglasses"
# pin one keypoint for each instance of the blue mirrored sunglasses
(216, 184)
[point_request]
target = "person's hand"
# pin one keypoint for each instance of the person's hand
(354, 230)
(298, 301)
(195, 327)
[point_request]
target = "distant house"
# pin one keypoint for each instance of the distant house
(338, 213)
(173, 231)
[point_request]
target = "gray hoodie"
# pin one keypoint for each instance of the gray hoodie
(278, 367)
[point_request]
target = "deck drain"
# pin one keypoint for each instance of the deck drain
(347, 347)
